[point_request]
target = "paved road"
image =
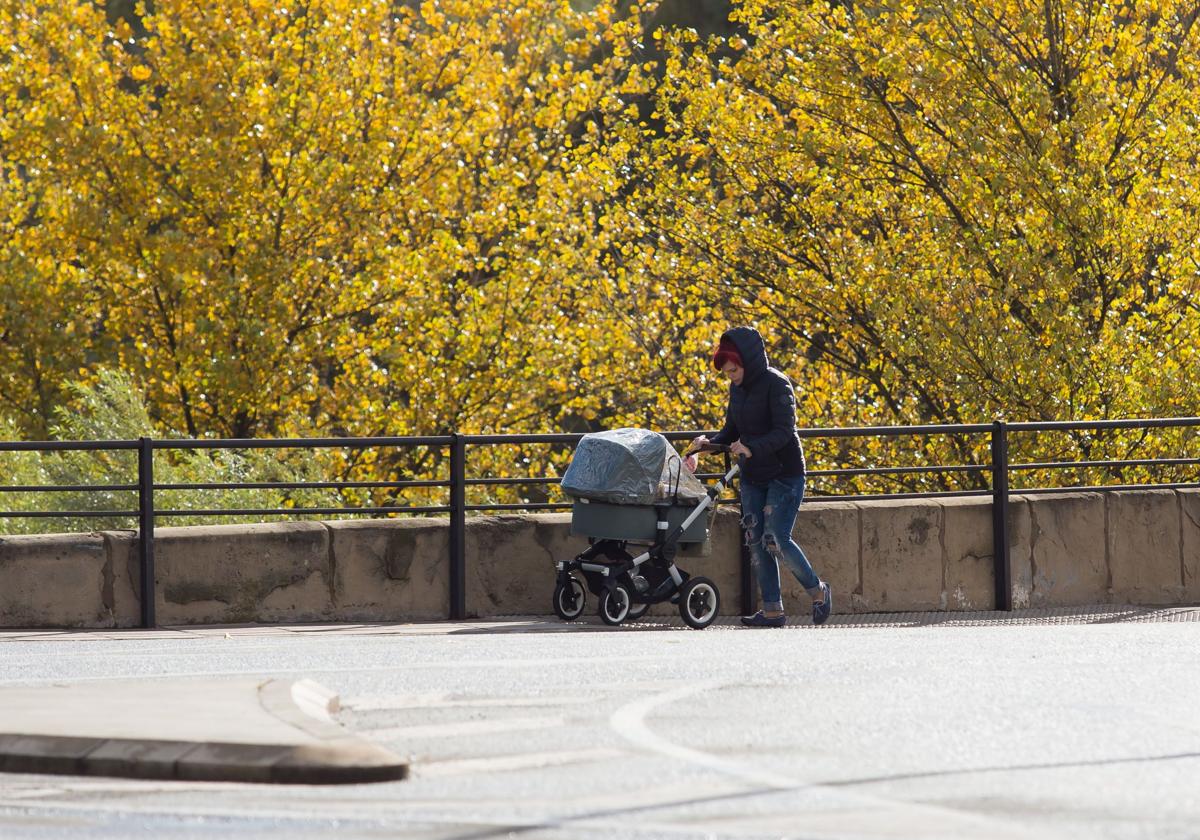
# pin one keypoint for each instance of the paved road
(1047, 728)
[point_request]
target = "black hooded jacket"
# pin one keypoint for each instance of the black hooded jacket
(762, 414)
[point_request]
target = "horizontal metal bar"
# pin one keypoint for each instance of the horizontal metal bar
(930, 495)
(1139, 462)
(67, 445)
(297, 485)
(299, 511)
(1082, 425)
(570, 437)
(66, 514)
(1099, 488)
(972, 468)
(63, 488)
(302, 443)
(530, 506)
(897, 431)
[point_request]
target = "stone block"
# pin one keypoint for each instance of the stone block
(340, 761)
(53, 580)
(969, 553)
(1068, 566)
(122, 578)
(828, 532)
(60, 755)
(391, 569)
(1020, 541)
(1189, 516)
(228, 574)
(219, 762)
(510, 562)
(902, 556)
(137, 759)
(1145, 557)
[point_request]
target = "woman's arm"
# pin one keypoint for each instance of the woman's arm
(781, 403)
(729, 432)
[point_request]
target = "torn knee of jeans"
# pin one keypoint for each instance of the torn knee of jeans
(770, 543)
(749, 520)
(767, 510)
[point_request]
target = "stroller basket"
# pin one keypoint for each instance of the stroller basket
(632, 523)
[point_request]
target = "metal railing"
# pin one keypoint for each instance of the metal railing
(992, 479)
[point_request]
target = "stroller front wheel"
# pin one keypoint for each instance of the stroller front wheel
(637, 611)
(699, 602)
(569, 599)
(614, 605)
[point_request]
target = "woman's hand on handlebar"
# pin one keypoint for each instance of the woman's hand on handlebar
(703, 444)
(739, 449)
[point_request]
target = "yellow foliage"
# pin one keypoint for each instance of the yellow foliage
(366, 217)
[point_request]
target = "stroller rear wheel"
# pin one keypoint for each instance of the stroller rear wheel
(637, 611)
(699, 602)
(569, 599)
(615, 604)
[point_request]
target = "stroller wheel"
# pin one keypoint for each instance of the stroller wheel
(637, 611)
(569, 599)
(699, 602)
(614, 605)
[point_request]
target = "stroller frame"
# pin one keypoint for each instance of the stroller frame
(627, 586)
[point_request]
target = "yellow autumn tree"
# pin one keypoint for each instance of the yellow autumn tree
(938, 212)
(341, 217)
(346, 215)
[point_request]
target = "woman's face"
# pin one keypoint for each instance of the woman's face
(734, 372)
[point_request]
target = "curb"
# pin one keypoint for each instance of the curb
(325, 753)
(332, 764)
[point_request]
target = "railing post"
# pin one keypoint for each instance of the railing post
(458, 528)
(1001, 554)
(146, 529)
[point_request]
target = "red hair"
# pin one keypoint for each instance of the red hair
(727, 352)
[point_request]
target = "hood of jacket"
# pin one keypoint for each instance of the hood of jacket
(751, 348)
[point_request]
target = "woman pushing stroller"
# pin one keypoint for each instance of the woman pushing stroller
(760, 429)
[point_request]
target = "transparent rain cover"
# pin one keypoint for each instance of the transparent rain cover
(629, 467)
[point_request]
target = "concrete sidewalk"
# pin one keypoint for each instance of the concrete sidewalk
(233, 730)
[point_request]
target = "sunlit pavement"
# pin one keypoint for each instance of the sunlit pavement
(1053, 723)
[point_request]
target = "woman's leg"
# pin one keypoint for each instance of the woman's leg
(783, 500)
(766, 569)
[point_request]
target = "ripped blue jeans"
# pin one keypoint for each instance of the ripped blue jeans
(768, 515)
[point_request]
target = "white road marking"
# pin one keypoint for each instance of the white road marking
(629, 721)
(870, 816)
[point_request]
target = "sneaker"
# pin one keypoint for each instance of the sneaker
(823, 608)
(761, 620)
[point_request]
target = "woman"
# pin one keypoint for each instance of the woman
(760, 426)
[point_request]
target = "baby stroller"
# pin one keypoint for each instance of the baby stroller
(630, 489)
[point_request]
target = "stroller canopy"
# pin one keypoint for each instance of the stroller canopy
(629, 467)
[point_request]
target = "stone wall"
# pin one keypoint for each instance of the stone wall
(1135, 547)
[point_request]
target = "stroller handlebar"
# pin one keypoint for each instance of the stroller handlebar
(707, 447)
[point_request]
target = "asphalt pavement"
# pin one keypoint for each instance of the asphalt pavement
(1049, 724)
